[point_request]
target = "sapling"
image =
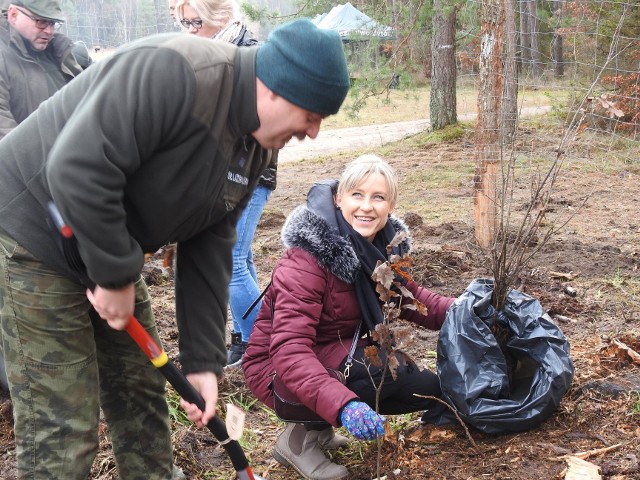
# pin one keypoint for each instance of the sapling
(391, 338)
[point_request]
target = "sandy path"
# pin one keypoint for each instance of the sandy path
(372, 136)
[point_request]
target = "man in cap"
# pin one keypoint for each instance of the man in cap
(146, 147)
(35, 60)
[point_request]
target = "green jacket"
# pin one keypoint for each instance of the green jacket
(147, 147)
(24, 82)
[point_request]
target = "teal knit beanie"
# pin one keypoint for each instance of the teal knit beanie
(305, 65)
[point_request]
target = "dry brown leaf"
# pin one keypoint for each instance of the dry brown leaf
(383, 274)
(430, 434)
(371, 353)
(399, 237)
(389, 434)
(440, 435)
(610, 107)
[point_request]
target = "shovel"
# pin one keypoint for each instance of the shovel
(157, 355)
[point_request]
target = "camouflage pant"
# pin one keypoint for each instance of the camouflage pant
(63, 364)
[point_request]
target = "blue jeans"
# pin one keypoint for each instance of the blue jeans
(243, 289)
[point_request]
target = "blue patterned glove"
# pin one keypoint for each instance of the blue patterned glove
(362, 421)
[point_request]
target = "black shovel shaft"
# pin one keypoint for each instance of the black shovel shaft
(184, 388)
(215, 425)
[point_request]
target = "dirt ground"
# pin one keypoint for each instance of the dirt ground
(586, 278)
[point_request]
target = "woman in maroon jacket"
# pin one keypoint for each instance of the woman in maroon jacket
(320, 295)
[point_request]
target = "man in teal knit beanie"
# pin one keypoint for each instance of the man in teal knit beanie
(305, 65)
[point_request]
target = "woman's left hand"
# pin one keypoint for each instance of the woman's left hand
(362, 421)
(206, 383)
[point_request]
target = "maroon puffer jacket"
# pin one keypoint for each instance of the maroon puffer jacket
(315, 317)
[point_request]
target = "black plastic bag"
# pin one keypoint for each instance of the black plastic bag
(473, 371)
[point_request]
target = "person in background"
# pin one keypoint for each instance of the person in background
(172, 13)
(219, 19)
(136, 155)
(320, 301)
(208, 18)
(35, 60)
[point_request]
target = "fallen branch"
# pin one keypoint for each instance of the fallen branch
(591, 453)
(464, 426)
(453, 248)
(564, 276)
(563, 319)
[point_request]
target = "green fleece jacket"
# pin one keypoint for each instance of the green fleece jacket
(147, 147)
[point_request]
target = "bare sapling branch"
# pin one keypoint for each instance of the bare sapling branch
(391, 339)
(515, 247)
(521, 235)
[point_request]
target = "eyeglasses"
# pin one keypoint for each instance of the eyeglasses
(41, 23)
(197, 23)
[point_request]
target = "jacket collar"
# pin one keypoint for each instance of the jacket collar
(244, 110)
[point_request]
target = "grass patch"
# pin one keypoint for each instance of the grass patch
(176, 413)
(437, 176)
(239, 399)
(617, 288)
(413, 104)
(450, 133)
(627, 285)
(427, 191)
(635, 408)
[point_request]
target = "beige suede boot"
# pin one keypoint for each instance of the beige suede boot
(298, 448)
(330, 440)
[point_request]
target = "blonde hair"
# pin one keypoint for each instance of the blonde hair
(216, 13)
(359, 169)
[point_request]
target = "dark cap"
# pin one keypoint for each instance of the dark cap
(47, 9)
(305, 65)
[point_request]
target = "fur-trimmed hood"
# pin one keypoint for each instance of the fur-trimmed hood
(311, 232)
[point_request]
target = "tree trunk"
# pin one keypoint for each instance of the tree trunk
(536, 64)
(557, 43)
(558, 55)
(510, 97)
(487, 135)
(525, 36)
(443, 78)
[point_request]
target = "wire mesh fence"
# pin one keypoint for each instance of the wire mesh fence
(586, 52)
